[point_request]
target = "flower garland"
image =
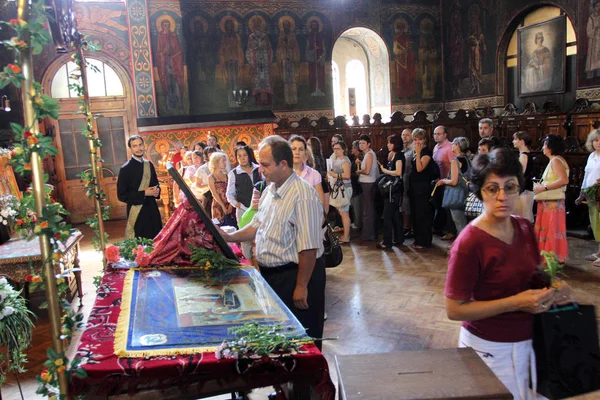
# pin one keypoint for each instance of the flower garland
(15, 330)
(34, 34)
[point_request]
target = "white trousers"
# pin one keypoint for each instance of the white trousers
(512, 363)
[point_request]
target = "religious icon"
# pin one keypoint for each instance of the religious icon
(169, 62)
(288, 59)
(259, 55)
(315, 55)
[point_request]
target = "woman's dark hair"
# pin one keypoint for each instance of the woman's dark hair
(208, 150)
(366, 138)
(315, 146)
(396, 141)
(555, 144)
(486, 141)
(340, 138)
(502, 162)
(342, 145)
(524, 136)
(199, 154)
(298, 138)
(248, 151)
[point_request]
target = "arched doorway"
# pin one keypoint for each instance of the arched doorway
(109, 89)
(362, 74)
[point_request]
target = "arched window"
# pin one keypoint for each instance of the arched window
(337, 100)
(102, 80)
(356, 78)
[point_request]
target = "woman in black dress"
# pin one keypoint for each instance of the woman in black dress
(420, 190)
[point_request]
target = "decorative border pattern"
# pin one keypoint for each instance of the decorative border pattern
(409, 109)
(492, 101)
(244, 8)
(139, 38)
(411, 10)
(590, 94)
(299, 114)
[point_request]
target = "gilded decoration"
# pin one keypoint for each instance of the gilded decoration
(142, 66)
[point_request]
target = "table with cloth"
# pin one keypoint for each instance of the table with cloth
(196, 373)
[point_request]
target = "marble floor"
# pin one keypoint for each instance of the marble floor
(377, 302)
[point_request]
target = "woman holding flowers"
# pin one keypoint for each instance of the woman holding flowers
(491, 269)
(589, 188)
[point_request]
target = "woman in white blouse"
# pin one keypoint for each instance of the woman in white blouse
(591, 178)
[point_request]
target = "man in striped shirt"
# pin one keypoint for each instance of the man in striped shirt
(288, 235)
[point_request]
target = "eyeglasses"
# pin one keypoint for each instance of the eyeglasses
(494, 190)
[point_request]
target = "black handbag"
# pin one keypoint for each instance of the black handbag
(565, 341)
(333, 254)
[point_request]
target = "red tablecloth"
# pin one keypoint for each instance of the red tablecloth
(200, 374)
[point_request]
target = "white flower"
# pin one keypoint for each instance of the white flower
(4, 222)
(3, 281)
(8, 310)
(226, 353)
(217, 353)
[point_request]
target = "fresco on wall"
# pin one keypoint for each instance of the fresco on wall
(228, 60)
(588, 52)
(470, 47)
(415, 69)
(168, 60)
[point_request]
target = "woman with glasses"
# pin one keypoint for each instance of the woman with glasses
(341, 169)
(551, 218)
(490, 285)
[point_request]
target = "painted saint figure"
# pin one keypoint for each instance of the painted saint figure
(592, 60)
(231, 55)
(538, 73)
(288, 59)
(477, 49)
(457, 44)
(169, 63)
(315, 55)
(404, 61)
(427, 59)
(201, 65)
(259, 55)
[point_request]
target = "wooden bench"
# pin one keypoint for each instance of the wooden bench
(418, 375)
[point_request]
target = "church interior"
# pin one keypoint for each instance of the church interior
(183, 73)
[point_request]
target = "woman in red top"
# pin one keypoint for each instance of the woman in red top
(490, 271)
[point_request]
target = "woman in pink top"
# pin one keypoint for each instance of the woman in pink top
(491, 283)
(310, 175)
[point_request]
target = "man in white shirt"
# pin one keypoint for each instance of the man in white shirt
(288, 235)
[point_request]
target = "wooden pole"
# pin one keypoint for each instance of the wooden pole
(39, 193)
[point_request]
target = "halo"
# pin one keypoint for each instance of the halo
(161, 142)
(198, 18)
(290, 20)
(315, 18)
(426, 25)
(229, 18)
(254, 18)
(474, 11)
(398, 21)
(165, 17)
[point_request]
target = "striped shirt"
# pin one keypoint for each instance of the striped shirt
(288, 221)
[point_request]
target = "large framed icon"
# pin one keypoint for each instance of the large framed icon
(227, 251)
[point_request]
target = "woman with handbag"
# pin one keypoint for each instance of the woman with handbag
(341, 187)
(393, 226)
(551, 219)
(490, 285)
(590, 185)
(522, 142)
(459, 167)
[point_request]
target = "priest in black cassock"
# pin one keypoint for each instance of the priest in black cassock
(138, 187)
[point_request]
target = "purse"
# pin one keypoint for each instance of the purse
(473, 206)
(554, 194)
(565, 341)
(339, 197)
(333, 254)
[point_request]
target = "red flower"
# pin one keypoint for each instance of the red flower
(44, 224)
(27, 134)
(112, 254)
(20, 222)
(32, 140)
(143, 259)
(14, 68)
(27, 167)
(14, 21)
(57, 236)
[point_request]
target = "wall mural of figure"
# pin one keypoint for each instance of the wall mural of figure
(259, 55)
(538, 73)
(428, 59)
(477, 49)
(592, 60)
(288, 59)
(404, 60)
(315, 55)
(457, 44)
(201, 62)
(169, 63)
(231, 55)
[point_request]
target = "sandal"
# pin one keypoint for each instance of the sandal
(591, 257)
(342, 241)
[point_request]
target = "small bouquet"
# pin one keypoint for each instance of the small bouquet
(9, 210)
(590, 195)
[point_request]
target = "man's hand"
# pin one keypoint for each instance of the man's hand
(300, 297)
(223, 233)
(152, 191)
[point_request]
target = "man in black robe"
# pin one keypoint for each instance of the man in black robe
(138, 187)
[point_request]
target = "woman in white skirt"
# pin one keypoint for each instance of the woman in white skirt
(490, 285)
